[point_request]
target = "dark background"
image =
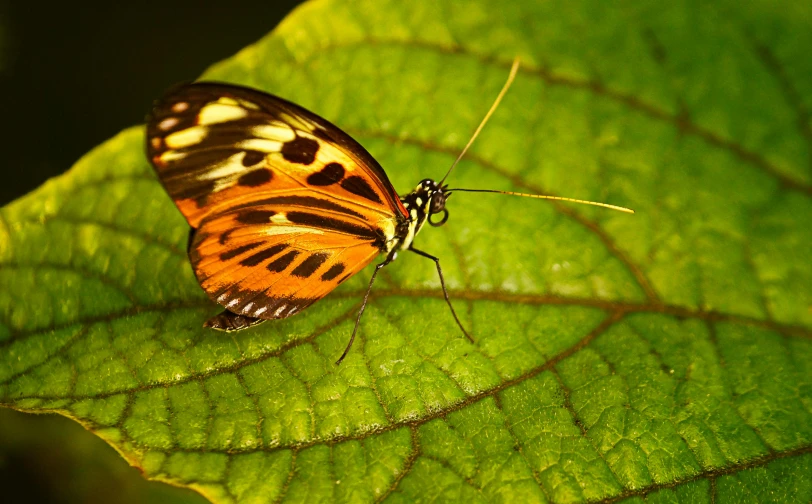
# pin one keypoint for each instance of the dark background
(71, 76)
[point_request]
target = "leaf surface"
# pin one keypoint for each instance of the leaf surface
(662, 356)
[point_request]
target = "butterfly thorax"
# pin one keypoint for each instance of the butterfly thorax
(427, 199)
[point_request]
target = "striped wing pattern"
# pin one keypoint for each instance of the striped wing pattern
(284, 205)
(278, 256)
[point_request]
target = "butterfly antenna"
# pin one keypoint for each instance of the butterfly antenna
(556, 198)
(513, 70)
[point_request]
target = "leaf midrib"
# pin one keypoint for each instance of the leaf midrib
(615, 312)
(468, 295)
(468, 401)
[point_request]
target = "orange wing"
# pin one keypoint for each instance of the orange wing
(284, 206)
(276, 257)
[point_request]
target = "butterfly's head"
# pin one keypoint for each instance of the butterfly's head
(428, 199)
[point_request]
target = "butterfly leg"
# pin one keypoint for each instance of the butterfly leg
(389, 259)
(445, 291)
(230, 321)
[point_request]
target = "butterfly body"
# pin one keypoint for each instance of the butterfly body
(283, 205)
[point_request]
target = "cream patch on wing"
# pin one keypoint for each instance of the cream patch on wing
(275, 131)
(168, 123)
(219, 113)
(260, 144)
(248, 104)
(276, 230)
(186, 137)
(298, 122)
(229, 168)
(171, 155)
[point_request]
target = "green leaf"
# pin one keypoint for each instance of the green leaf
(662, 356)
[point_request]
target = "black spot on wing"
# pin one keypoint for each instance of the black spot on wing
(224, 237)
(263, 255)
(252, 157)
(360, 187)
(282, 263)
(300, 150)
(255, 178)
(255, 216)
(333, 272)
(318, 221)
(225, 256)
(328, 175)
(309, 265)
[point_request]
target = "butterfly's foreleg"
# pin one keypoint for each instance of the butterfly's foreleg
(389, 259)
(445, 291)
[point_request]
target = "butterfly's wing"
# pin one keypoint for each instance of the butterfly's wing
(215, 144)
(276, 257)
(285, 205)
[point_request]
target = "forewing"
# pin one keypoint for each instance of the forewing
(215, 146)
(271, 260)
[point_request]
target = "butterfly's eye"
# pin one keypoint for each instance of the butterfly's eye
(438, 206)
(437, 202)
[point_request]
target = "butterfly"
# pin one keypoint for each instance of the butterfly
(283, 205)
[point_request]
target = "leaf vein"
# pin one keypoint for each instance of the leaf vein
(793, 98)
(407, 465)
(146, 238)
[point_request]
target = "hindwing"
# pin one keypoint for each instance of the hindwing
(276, 257)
